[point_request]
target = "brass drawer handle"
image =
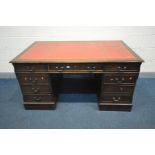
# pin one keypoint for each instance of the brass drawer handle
(116, 99)
(59, 69)
(130, 78)
(120, 68)
(119, 80)
(30, 79)
(35, 90)
(37, 98)
(33, 80)
(93, 67)
(28, 68)
(124, 67)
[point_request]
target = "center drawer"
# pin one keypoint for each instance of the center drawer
(66, 67)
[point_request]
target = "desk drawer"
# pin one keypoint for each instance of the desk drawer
(38, 78)
(121, 67)
(114, 88)
(30, 67)
(36, 89)
(74, 67)
(38, 98)
(120, 78)
(115, 98)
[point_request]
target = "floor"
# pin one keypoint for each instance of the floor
(77, 110)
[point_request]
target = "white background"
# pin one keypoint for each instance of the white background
(77, 13)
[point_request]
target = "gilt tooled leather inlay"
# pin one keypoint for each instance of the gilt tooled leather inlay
(77, 50)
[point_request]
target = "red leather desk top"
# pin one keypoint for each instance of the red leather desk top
(77, 51)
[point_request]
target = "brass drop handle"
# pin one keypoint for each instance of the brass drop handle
(28, 68)
(60, 69)
(37, 98)
(119, 67)
(34, 80)
(30, 79)
(130, 78)
(119, 80)
(116, 79)
(25, 78)
(111, 79)
(116, 99)
(122, 68)
(35, 89)
(122, 79)
(93, 67)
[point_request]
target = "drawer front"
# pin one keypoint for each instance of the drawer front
(38, 98)
(36, 89)
(113, 98)
(109, 88)
(30, 67)
(120, 78)
(27, 78)
(106, 67)
(74, 67)
(122, 67)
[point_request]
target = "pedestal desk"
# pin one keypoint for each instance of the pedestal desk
(109, 68)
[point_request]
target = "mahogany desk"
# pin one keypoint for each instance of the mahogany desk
(112, 66)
